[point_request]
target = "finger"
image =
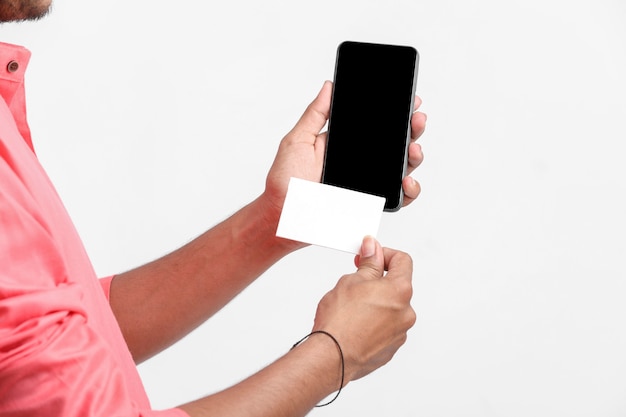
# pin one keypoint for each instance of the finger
(316, 114)
(415, 158)
(398, 264)
(418, 124)
(371, 260)
(412, 190)
(417, 103)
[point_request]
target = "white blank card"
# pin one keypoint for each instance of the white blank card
(329, 216)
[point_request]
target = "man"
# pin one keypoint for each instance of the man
(69, 342)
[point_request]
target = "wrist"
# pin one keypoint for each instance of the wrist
(270, 211)
(342, 366)
(326, 358)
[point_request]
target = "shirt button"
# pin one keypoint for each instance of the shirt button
(13, 66)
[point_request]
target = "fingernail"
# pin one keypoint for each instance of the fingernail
(368, 248)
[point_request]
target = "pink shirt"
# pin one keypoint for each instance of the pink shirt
(61, 350)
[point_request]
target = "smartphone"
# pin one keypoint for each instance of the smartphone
(369, 128)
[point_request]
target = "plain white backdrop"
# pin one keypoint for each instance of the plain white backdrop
(157, 120)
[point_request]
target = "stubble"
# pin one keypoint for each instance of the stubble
(20, 10)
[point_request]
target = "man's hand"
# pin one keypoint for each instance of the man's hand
(369, 312)
(301, 152)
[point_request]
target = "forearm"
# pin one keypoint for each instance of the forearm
(160, 302)
(289, 387)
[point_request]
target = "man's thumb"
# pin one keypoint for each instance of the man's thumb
(316, 114)
(371, 259)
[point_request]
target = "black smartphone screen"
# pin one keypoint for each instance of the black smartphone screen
(369, 124)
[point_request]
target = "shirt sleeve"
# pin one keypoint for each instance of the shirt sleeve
(53, 361)
(105, 283)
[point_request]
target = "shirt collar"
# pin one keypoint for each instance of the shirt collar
(13, 62)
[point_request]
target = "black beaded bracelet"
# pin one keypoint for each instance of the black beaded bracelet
(343, 368)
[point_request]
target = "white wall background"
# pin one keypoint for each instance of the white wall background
(157, 119)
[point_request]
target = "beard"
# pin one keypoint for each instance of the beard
(20, 10)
